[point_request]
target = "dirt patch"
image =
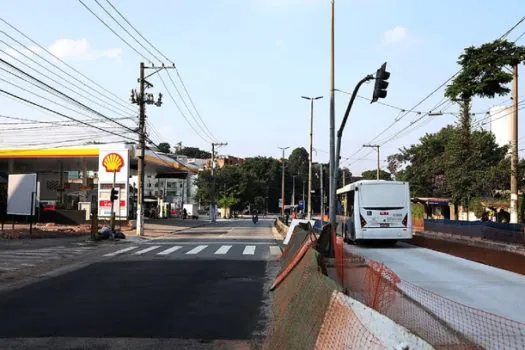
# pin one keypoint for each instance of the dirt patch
(498, 258)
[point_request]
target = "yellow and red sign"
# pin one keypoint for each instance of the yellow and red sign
(113, 162)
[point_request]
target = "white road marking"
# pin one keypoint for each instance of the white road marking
(8, 268)
(223, 250)
(144, 251)
(170, 250)
(275, 250)
(196, 250)
(249, 250)
(120, 251)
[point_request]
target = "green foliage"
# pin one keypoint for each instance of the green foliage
(476, 207)
(194, 152)
(395, 161)
(372, 175)
(164, 147)
(298, 163)
(227, 201)
(483, 71)
(418, 210)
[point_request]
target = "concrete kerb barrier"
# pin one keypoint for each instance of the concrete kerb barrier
(310, 312)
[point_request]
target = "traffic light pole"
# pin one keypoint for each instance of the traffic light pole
(341, 129)
(113, 203)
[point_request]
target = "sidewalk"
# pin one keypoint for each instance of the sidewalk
(161, 227)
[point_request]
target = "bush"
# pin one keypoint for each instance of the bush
(418, 210)
(476, 207)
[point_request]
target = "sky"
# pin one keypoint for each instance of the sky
(246, 64)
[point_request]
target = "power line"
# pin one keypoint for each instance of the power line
(35, 121)
(114, 97)
(61, 114)
(127, 32)
(114, 32)
(432, 93)
(53, 80)
(180, 111)
(135, 29)
(206, 132)
(65, 95)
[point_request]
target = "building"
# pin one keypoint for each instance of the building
(500, 124)
(226, 160)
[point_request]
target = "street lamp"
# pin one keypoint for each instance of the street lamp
(310, 154)
(282, 184)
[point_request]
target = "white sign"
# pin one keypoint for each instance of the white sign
(21, 194)
(113, 166)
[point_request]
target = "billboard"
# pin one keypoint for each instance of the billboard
(113, 166)
(21, 194)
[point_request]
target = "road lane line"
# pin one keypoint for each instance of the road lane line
(275, 250)
(223, 250)
(120, 251)
(196, 250)
(144, 251)
(249, 250)
(170, 250)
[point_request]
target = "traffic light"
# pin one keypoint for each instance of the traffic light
(114, 194)
(381, 83)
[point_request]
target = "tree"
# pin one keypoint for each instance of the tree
(164, 147)
(298, 163)
(394, 164)
(194, 152)
(482, 75)
(372, 175)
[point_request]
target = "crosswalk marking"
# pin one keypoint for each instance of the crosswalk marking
(121, 251)
(249, 250)
(223, 250)
(196, 250)
(275, 250)
(170, 250)
(144, 251)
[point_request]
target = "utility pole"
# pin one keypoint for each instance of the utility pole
(377, 149)
(332, 182)
(310, 154)
(141, 98)
(322, 193)
(514, 145)
(282, 182)
(293, 190)
(213, 211)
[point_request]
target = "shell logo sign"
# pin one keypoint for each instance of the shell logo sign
(113, 162)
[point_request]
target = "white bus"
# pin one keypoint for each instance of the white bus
(375, 210)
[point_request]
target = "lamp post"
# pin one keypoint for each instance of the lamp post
(310, 155)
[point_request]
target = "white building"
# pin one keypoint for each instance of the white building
(500, 124)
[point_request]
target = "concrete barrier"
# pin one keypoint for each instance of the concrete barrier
(310, 312)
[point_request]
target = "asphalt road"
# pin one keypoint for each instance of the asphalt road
(207, 293)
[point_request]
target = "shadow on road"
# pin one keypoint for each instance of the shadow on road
(202, 299)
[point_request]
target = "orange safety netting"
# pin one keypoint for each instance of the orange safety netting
(443, 323)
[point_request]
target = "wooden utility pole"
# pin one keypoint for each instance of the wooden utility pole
(514, 146)
(142, 144)
(141, 98)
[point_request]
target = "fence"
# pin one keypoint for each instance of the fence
(443, 323)
(498, 232)
(310, 312)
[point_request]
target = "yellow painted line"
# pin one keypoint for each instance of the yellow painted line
(49, 153)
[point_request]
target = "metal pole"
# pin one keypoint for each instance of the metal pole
(112, 225)
(142, 145)
(332, 183)
(293, 190)
(322, 193)
(212, 209)
(310, 156)
(378, 167)
(514, 154)
(282, 181)
(303, 193)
